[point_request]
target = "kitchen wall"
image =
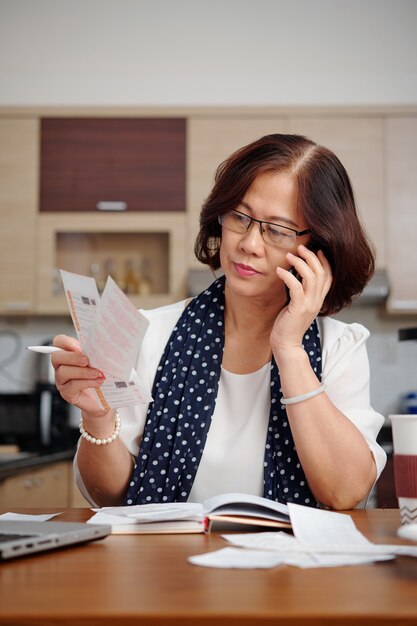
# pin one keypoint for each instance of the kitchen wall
(19, 366)
(236, 52)
(392, 362)
(222, 52)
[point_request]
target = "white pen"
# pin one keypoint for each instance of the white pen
(44, 349)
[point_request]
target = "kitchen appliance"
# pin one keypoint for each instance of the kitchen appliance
(376, 291)
(35, 422)
(53, 412)
(39, 421)
(19, 421)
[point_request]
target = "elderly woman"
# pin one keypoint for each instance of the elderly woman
(256, 389)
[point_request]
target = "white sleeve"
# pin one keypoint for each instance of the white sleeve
(347, 378)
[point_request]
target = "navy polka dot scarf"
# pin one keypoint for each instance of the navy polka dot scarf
(185, 391)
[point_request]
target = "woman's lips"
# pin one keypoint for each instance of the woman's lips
(245, 270)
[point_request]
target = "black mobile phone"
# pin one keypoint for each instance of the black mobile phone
(294, 272)
(314, 246)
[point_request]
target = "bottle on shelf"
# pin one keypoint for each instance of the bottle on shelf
(146, 286)
(109, 269)
(131, 280)
(95, 272)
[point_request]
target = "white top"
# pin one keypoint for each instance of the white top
(233, 456)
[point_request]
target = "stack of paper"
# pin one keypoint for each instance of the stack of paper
(233, 508)
(110, 330)
(178, 517)
(321, 539)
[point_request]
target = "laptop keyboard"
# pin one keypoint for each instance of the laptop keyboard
(4, 537)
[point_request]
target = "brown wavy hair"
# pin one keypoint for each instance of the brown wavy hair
(325, 199)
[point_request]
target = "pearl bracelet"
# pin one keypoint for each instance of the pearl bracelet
(101, 442)
(303, 396)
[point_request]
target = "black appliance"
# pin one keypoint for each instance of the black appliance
(407, 334)
(38, 421)
(19, 421)
(52, 411)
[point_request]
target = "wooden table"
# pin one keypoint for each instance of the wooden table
(146, 580)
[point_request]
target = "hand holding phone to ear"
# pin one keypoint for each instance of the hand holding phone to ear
(307, 288)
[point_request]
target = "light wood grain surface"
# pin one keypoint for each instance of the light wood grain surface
(146, 580)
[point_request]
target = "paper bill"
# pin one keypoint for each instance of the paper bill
(110, 330)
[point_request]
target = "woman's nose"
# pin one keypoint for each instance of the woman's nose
(252, 239)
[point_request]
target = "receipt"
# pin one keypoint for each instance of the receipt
(239, 559)
(110, 330)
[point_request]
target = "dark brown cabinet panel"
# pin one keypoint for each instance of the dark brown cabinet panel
(139, 163)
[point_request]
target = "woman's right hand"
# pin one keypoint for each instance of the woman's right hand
(74, 379)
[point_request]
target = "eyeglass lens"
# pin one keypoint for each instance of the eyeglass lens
(271, 233)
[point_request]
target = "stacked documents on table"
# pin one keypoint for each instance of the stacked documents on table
(110, 330)
(321, 539)
(183, 517)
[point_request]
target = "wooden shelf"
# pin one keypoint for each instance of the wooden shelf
(89, 245)
(138, 262)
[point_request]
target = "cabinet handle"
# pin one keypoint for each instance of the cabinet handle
(111, 205)
(31, 483)
(18, 305)
(403, 306)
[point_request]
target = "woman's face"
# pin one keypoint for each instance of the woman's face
(248, 262)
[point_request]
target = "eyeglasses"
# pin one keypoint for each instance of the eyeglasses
(274, 234)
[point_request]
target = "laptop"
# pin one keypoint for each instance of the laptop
(21, 538)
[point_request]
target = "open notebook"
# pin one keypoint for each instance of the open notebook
(225, 510)
(21, 538)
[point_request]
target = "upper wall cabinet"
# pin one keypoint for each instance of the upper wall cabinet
(18, 211)
(64, 174)
(359, 144)
(134, 164)
(401, 168)
(209, 142)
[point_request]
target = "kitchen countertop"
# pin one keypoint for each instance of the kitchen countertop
(18, 462)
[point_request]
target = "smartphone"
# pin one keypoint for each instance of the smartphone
(314, 247)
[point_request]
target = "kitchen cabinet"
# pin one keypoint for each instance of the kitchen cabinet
(401, 187)
(136, 164)
(76, 499)
(358, 142)
(210, 140)
(41, 482)
(50, 213)
(133, 164)
(45, 486)
(91, 243)
(19, 173)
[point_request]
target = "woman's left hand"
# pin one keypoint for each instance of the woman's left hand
(307, 295)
